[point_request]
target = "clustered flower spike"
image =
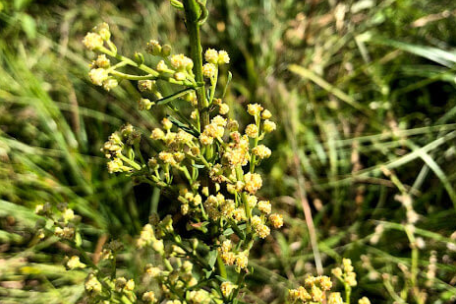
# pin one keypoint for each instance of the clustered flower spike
(313, 291)
(317, 289)
(346, 274)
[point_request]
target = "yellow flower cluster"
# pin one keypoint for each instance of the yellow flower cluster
(230, 258)
(214, 57)
(314, 290)
(227, 288)
(100, 68)
(75, 263)
(64, 223)
(346, 273)
(119, 149)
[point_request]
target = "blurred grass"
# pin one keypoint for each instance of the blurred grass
(355, 86)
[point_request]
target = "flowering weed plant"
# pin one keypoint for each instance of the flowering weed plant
(206, 164)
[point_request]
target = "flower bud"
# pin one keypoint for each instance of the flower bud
(223, 57)
(103, 30)
(166, 50)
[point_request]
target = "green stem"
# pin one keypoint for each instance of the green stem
(150, 77)
(132, 163)
(192, 14)
(214, 85)
(347, 293)
(221, 267)
(255, 144)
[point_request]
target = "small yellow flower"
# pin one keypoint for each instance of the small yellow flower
(251, 131)
(92, 285)
(337, 272)
(206, 140)
(266, 114)
(254, 109)
(167, 158)
(276, 220)
(223, 57)
(364, 300)
(161, 66)
(264, 207)
(335, 298)
(253, 182)
(158, 246)
(130, 286)
(209, 70)
(179, 76)
(211, 56)
(252, 201)
(153, 47)
(242, 261)
(181, 62)
(214, 130)
(146, 85)
(227, 288)
(102, 62)
(226, 246)
(261, 151)
(103, 30)
(68, 215)
(228, 258)
(116, 165)
(324, 282)
(98, 76)
(92, 41)
(224, 109)
(317, 294)
(167, 124)
(110, 84)
(239, 214)
(153, 271)
(219, 121)
(75, 263)
(145, 104)
(157, 134)
(149, 297)
(256, 221)
(269, 126)
(262, 230)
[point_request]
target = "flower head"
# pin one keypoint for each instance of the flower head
(92, 41)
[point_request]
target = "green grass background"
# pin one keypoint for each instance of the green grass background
(357, 88)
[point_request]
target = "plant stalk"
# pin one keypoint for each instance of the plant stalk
(192, 14)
